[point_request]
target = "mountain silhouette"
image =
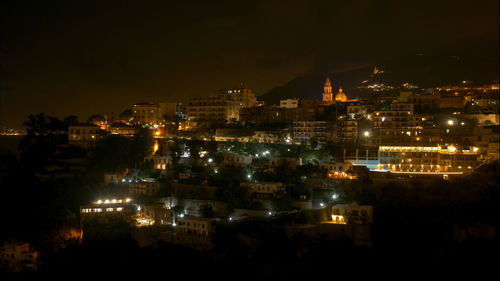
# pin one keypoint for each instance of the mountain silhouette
(424, 71)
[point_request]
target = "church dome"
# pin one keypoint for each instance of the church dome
(340, 96)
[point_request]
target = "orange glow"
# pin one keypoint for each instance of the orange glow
(337, 219)
(155, 147)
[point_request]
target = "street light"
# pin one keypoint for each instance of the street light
(450, 122)
(366, 133)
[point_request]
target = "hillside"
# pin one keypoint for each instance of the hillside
(425, 71)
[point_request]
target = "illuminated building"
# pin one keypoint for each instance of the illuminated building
(356, 111)
(145, 113)
(84, 135)
(167, 108)
(212, 110)
(451, 102)
(17, 256)
(262, 114)
(272, 136)
(159, 213)
(428, 159)
(425, 101)
(233, 134)
(159, 162)
(236, 160)
(146, 187)
(118, 128)
(290, 162)
(327, 92)
(242, 97)
(340, 96)
(352, 214)
(305, 131)
(412, 136)
(194, 225)
(290, 103)
(337, 170)
(123, 208)
(346, 130)
(263, 189)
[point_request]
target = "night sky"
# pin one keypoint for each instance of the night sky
(97, 57)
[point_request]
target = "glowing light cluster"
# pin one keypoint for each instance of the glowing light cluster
(113, 201)
(337, 219)
(409, 148)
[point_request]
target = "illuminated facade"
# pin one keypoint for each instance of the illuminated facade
(337, 170)
(346, 130)
(290, 103)
(17, 256)
(340, 96)
(195, 225)
(119, 128)
(145, 113)
(122, 208)
(159, 162)
(236, 160)
(146, 187)
(242, 97)
(352, 214)
(263, 189)
(305, 131)
(428, 159)
(212, 110)
(327, 91)
(84, 135)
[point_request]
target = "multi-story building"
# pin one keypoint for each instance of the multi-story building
(337, 170)
(146, 187)
(159, 213)
(263, 114)
(356, 111)
(451, 102)
(100, 209)
(352, 214)
(412, 136)
(159, 162)
(289, 103)
(145, 113)
(216, 109)
(425, 102)
(346, 130)
(195, 225)
(233, 134)
(242, 97)
(305, 131)
(263, 189)
(84, 135)
(168, 108)
(327, 92)
(272, 136)
(236, 160)
(17, 256)
(428, 159)
(290, 162)
(118, 128)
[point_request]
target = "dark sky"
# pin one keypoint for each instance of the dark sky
(97, 57)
